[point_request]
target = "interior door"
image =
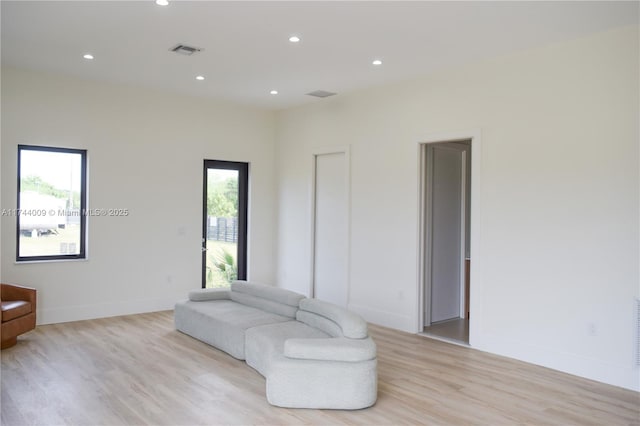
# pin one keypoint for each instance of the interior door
(330, 228)
(447, 231)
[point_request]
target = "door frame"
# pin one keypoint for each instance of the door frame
(243, 201)
(346, 150)
(473, 135)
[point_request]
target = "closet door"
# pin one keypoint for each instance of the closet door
(330, 281)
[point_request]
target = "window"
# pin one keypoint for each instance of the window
(52, 199)
(224, 220)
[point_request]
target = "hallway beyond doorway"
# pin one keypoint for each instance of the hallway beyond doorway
(454, 330)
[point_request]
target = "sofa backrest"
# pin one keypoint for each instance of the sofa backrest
(332, 319)
(271, 299)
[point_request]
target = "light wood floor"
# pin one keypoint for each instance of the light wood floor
(138, 370)
(455, 329)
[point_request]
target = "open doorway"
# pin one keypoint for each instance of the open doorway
(446, 205)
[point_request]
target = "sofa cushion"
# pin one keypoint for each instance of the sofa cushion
(12, 309)
(264, 344)
(332, 349)
(264, 304)
(222, 323)
(275, 294)
(203, 294)
(352, 324)
(266, 297)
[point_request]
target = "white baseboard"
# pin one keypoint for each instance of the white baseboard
(593, 369)
(385, 318)
(102, 310)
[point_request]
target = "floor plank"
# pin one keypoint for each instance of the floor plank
(138, 369)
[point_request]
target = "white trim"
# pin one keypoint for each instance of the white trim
(444, 339)
(474, 135)
(104, 310)
(463, 231)
(425, 230)
(346, 150)
(424, 220)
(35, 262)
(566, 362)
(475, 253)
(384, 318)
(312, 226)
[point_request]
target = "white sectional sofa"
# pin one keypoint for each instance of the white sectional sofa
(313, 354)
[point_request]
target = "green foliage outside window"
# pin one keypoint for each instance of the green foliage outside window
(222, 198)
(36, 184)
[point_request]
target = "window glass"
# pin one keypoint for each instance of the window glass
(51, 203)
(224, 239)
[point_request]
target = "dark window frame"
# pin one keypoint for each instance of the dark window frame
(243, 199)
(82, 253)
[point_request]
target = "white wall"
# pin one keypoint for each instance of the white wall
(558, 221)
(145, 153)
(558, 224)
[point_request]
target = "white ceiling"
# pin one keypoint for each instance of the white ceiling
(246, 49)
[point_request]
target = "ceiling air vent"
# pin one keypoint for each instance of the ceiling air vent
(183, 49)
(321, 94)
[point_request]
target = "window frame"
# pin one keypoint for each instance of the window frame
(243, 212)
(82, 252)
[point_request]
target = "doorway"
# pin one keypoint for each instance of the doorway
(447, 213)
(330, 227)
(224, 223)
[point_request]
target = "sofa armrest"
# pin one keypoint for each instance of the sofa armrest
(205, 294)
(331, 349)
(16, 292)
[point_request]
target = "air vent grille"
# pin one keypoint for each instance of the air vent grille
(183, 49)
(321, 94)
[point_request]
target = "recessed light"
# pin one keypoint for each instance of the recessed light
(294, 39)
(162, 2)
(274, 92)
(88, 56)
(377, 62)
(200, 77)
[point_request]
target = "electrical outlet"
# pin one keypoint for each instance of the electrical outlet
(592, 329)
